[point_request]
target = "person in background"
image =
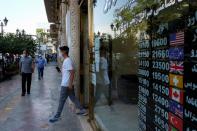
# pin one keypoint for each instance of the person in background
(67, 88)
(26, 68)
(40, 62)
(102, 76)
(47, 58)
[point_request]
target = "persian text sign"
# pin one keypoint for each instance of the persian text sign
(191, 101)
(191, 86)
(146, 14)
(190, 115)
(109, 4)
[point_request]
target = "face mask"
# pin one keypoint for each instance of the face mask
(61, 56)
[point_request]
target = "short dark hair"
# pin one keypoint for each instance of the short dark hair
(27, 51)
(64, 48)
(102, 48)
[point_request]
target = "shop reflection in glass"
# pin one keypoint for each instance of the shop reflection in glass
(167, 64)
(102, 81)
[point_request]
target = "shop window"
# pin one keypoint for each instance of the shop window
(145, 65)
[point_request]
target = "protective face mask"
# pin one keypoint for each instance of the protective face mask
(61, 56)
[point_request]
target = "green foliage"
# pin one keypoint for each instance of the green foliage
(126, 14)
(12, 67)
(13, 44)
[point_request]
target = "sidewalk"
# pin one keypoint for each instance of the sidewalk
(31, 113)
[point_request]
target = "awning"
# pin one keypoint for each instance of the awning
(53, 31)
(52, 10)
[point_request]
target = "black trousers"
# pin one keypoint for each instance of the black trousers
(26, 82)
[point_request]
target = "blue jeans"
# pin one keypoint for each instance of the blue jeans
(40, 72)
(64, 94)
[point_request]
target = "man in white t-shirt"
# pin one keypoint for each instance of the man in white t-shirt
(67, 88)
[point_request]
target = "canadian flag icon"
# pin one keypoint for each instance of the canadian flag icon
(176, 95)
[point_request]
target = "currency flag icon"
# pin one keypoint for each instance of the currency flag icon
(176, 53)
(177, 38)
(176, 108)
(176, 95)
(176, 80)
(171, 128)
(175, 121)
(176, 67)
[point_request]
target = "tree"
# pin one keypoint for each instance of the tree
(14, 44)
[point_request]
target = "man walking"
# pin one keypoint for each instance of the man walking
(67, 88)
(40, 65)
(26, 69)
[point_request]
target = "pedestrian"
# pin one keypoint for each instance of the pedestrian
(47, 58)
(67, 88)
(40, 62)
(26, 67)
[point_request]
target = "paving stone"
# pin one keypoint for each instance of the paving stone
(32, 112)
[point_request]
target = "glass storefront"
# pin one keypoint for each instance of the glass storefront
(116, 64)
(145, 65)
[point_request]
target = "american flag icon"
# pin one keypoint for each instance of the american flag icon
(176, 67)
(177, 38)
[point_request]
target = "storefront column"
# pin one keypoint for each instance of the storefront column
(91, 44)
(73, 39)
(63, 24)
(59, 41)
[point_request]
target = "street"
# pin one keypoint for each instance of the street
(32, 112)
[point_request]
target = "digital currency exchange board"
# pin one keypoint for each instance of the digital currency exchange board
(168, 71)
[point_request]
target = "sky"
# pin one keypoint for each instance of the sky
(102, 21)
(24, 14)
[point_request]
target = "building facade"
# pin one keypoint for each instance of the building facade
(69, 21)
(135, 60)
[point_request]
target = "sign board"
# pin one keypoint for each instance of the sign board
(108, 5)
(167, 71)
